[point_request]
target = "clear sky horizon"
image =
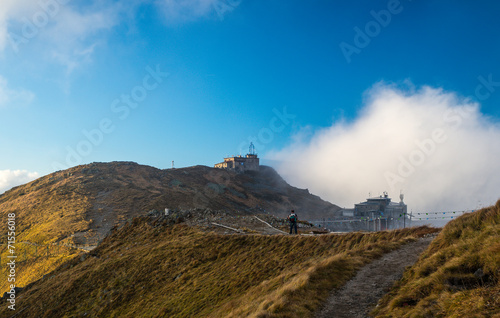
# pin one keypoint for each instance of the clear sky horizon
(192, 81)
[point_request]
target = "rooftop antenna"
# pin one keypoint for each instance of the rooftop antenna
(251, 149)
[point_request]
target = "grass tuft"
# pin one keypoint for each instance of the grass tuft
(160, 270)
(458, 275)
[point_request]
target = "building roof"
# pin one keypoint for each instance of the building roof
(396, 203)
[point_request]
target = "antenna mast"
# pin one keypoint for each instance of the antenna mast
(251, 149)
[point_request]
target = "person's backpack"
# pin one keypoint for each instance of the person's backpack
(293, 218)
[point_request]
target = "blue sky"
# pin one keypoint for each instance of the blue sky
(196, 80)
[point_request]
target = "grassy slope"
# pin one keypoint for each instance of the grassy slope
(159, 270)
(447, 280)
(47, 210)
(90, 199)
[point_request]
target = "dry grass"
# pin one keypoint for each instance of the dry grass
(158, 270)
(458, 276)
(47, 210)
(33, 262)
(85, 202)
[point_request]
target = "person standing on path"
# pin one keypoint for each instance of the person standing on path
(292, 218)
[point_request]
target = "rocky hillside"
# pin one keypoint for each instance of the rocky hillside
(85, 202)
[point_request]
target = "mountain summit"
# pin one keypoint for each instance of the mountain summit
(89, 200)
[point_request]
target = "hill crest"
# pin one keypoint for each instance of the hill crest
(88, 200)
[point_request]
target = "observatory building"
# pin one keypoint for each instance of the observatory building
(376, 213)
(250, 162)
(380, 207)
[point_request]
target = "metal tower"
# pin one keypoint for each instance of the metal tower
(251, 149)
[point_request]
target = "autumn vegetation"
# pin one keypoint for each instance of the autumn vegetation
(150, 268)
(457, 276)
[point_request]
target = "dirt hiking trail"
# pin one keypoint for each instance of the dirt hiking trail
(359, 296)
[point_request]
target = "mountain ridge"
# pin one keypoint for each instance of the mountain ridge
(89, 200)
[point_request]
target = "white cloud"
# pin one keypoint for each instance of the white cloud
(61, 31)
(66, 32)
(75, 35)
(15, 16)
(13, 178)
(436, 147)
(9, 96)
(182, 11)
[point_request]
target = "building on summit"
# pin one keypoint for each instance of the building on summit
(250, 162)
(380, 207)
(375, 214)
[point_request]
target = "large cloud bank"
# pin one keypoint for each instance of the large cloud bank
(12, 178)
(431, 144)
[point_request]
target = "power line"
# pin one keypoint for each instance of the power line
(454, 212)
(448, 215)
(417, 216)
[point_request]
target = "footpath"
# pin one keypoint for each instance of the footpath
(359, 296)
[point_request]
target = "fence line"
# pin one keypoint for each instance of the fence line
(23, 252)
(448, 215)
(410, 216)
